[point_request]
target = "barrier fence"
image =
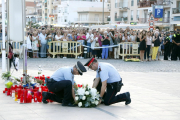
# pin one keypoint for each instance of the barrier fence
(64, 47)
(128, 49)
(74, 48)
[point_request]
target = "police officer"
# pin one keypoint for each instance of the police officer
(176, 46)
(62, 83)
(166, 46)
(108, 82)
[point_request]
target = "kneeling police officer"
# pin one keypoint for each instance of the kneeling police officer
(108, 82)
(62, 83)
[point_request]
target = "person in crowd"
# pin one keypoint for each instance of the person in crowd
(94, 39)
(166, 46)
(156, 41)
(58, 37)
(148, 45)
(89, 35)
(35, 44)
(80, 38)
(109, 33)
(43, 38)
(105, 44)
(65, 38)
(29, 46)
(176, 46)
(117, 39)
(99, 51)
(126, 38)
(142, 46)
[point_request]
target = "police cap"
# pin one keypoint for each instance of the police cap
(80, 68)
(89, 62)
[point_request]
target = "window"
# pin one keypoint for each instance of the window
(65, 10)
(65, 18)
(96, 17)
(61, 19)
(138, 2)
(131, 14)
(132, 2)
(137, 16)
(30, 11)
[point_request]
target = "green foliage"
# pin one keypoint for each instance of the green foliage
(6, 75)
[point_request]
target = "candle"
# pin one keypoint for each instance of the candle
(21, 99)
(16, 96)
(13, 93)
(35, 96)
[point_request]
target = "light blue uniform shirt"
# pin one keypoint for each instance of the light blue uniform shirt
(64, 73)
(107, 72)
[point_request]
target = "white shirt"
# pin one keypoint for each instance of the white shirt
(17, 63)
(126, 40)
(94, 42)
(107, 72)
(148, 40)
(57, 38)
(42, 39)
(89, 38)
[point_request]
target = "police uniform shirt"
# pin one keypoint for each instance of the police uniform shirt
(64, 74)
(167, 40)
(107, 72)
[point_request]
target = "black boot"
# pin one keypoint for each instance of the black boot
(45, 97)
(128, 99)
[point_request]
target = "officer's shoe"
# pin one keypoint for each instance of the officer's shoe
(69, 105)
(128, 99)
(45, 97)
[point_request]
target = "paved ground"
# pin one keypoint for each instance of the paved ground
(154, 88)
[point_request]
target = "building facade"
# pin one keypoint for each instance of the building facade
(138, 12)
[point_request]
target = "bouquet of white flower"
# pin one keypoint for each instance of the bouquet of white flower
(86, 96)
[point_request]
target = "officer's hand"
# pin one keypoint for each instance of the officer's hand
(99, 102)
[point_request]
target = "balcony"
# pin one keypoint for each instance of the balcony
(143, 4)
(121, 5)
(176, 10)
(121, 18)
(56, 3)
(160, 20)
(90, 20)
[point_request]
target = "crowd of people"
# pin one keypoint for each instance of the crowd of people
(151, 44)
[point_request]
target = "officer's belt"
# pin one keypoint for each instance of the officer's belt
(51, 80)
(115, 83)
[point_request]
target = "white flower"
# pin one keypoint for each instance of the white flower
(96, 102)
(76, 98)
(80, 104)
(84, 97)
(93, 102)
(81, 91)
(93, 92)
(86, 93)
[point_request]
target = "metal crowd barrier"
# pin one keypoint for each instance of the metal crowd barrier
(16, 46)
(128, 49)
(64, 47)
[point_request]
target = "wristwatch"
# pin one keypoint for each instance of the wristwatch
(100, 98)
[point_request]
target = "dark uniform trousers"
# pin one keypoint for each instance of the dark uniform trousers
(166, 51)
(175, 52)
(62, 91)
(110, 96)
